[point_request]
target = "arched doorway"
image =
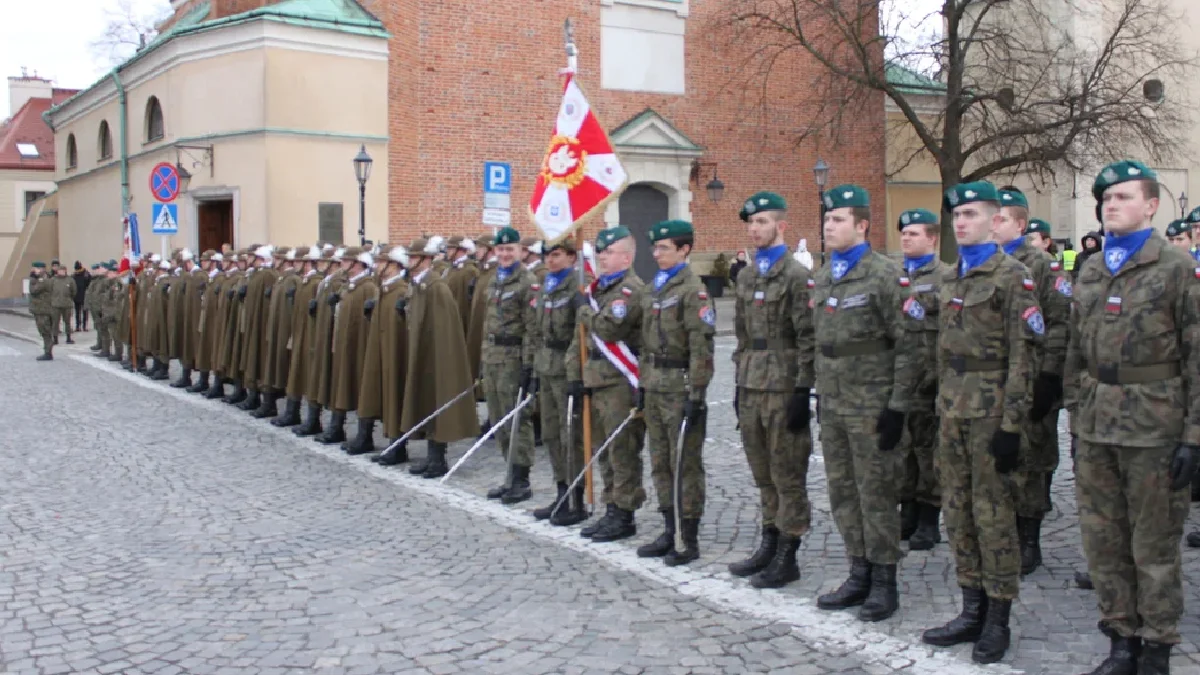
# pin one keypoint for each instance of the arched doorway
(642, 206)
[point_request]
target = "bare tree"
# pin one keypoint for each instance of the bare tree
(1025, 86)
(128, 28)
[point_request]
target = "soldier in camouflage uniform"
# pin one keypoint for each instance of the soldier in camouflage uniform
(116, 310)
(1039, 459)
(39, 306)
(507, 360)
(774, 376)
(91, 304)
(920, 493)
(1132, 372)
(865, 374)
(531, 258)
(990, 327)
(62, 301)
(610, 375)
(678, 322)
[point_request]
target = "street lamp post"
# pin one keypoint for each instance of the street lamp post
(821, 175)
(362, 171)
(1183, 204)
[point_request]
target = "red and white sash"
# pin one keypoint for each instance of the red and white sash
(618, 353)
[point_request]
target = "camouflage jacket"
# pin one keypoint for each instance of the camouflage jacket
(553, 327)
(773, 323)
(95, 291)
(62, 292)
(1133, 363)
(678, 322)
(39, 295)
(990, 328)
(921, 309)
(511, 311)
(1054, 297)
(617, 318)
(864, 362)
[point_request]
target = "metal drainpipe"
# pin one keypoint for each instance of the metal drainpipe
(116, 77)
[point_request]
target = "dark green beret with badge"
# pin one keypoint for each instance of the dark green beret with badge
(40, 265)
(611, 235)
(1011, 196)
(1178, 227)
(1121, 172)
(669, 229)
(917, 217)
(567, 244)
(1194, 216)
(507, 235)
(762, 201)
(1038, 225)
(969, 193)
(847, 196)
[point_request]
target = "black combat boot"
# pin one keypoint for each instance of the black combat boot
(162, 371)
(619, 526)
(884, 598)
(853, 591)
(252, 401)
(484, 427)
(761, 557)
(994, 640)
(545, 512)
(909, 514)
(520, 489)
(117, 355)
(336, 431)
(312, 422)
(567, 516)
(782, 570)
(69, 340)
(1123, 655)
(290, 416)
(104, 354)
(588, 530)
(237, 395)
(1155, 659)
(665, 542)
(268, 407)
(691, 544)
(46, 356)
(418, 467)
(1029, 532)
(396, 453)
(364, 440)
(149, 366)
(537, 431)
(1084, 580)
(436, 466)
(96, 347)
(1193, 539)
(966, 627)
(498, 492)
(928, 534)
(201, 384)
(217, 390)
(184, 381)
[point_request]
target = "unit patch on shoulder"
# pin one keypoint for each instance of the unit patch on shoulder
(1033, 317)
(708, 316)
(1064, 286)
(619, 309)
(914, 309)
(1028, 284)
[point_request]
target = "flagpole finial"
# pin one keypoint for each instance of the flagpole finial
(572, 50)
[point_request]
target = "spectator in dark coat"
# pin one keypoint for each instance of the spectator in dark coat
(736, 268)
(1091, 244)
(82, 279)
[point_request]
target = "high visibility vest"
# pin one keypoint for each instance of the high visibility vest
(1068, 260)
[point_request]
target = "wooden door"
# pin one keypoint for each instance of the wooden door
(216, 224)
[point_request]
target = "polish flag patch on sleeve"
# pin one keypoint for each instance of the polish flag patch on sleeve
(1028, 284)
(812, 283)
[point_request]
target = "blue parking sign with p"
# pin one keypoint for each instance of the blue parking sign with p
(497, 178)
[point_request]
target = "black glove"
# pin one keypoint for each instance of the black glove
(1006, 447)
(798, 411)
(525, 381)
(242, 292)
(1074, 440)
(290, 293)
(639, 399)
(312, 307)
(580, 300)
(267, 293)
(333, 299)
(575, 390)
(202, 287)
(368, 308)
(401, 306)
(166, 288)
(890, 428)
(230, 293)
(1047, 389)
(694, 410)
(531, 387)
(1183, 466)
(737, 412)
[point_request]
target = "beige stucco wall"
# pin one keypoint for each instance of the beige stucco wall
(13, 186)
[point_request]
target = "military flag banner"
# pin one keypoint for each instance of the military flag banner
(580, 172)
(131, 248)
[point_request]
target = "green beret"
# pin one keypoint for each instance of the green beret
(762, 201)
(607, 237)
(1194, 216)
(96, 266)
(507, 235)
(966, 193)
(844, 196)
(112, 263)
(1121, 172)
(669, 229)
(54, 262)
(917, 217)
(1178, 227)
(1011, 196)
(1038, 225)
(40, 265)
(567, 244)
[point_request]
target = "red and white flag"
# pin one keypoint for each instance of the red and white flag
(130, 246)
(580, 172)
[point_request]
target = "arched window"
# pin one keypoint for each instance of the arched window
(154, 120)
(104, 144)
(72, 152)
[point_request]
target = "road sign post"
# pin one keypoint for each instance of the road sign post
(164, 186)
(497, 194)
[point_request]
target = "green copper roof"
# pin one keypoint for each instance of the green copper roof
(911, 82)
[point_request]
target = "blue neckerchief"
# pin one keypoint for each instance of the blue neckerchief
(607, 280)
(1012, 246)
(1119, 248)
(844, 261)
(973, 255)
(913, 264)
(503, 273)
(553, 279)
(664, 276)
(1196, 254)
(766, 258)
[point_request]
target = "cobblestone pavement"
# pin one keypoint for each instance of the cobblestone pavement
(171, 534)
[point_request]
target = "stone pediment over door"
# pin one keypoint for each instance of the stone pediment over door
(649, 133)
(656, 153)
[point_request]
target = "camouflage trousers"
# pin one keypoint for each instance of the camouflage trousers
(566, 453)
(103, 336)
(112, 332)
(977, 503)
(500, 386)
(862, 487)
(45, 327)
(918, 446)
(778, 460)
(1132, 523)
(1039, 459)
(62, 314)
(664, 417)
(620, 465)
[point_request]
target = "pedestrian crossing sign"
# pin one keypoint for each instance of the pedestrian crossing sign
(166, 218)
